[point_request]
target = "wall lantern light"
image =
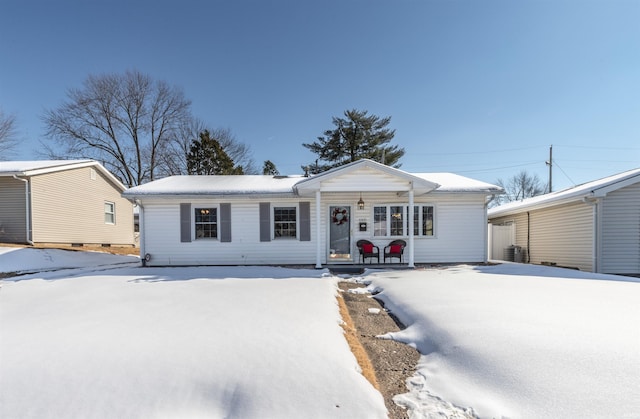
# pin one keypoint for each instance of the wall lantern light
(361, 203)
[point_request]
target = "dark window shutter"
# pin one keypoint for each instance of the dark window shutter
(185, 223)
(225, 222)
(265, 222)
(305, 222)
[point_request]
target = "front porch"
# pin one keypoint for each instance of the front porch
(358, 268)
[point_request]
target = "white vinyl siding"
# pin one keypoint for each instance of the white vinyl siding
(621, 231)
(461, 232)
(162, 238)
(461, 226)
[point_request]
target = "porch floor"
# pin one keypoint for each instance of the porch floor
(358, 268)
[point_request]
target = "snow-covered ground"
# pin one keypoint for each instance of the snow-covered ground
(133, 342)
(29, 260)
(106, 338)
(519, 341)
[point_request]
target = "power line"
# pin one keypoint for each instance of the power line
(597, 147)
(565, 173)
(478, 152)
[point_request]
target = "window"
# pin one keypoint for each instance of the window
(379, 221)
(206, 223)
(393, 220)
(397, 221)
(109, 213)
(284, 222)
(423, 221)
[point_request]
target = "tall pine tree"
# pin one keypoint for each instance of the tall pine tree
(269, 168)
(356, 136)
(207, 157)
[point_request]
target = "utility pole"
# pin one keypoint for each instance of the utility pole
(550, 164)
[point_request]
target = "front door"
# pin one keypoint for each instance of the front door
(340, 233)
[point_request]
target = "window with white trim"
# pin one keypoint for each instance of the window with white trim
(109, 213)
(393, 220)
(380, 221)
(285, 222)
(423, 220)
(206, 221)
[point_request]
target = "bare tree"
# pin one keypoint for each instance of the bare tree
(175, 158)
(239, 152)
(518, 187)
(8, 133)
(127, 121)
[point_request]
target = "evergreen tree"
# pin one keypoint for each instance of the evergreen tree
(356, 136)
(207, 157)
(269, 168)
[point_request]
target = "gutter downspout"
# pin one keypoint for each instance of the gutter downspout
(27, 194)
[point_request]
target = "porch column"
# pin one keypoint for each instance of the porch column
(318, 231)
(411, 261)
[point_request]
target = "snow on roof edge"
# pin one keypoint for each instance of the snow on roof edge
(569, 194)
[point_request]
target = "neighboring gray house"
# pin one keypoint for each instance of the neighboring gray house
(242, 220)
(67, 202)
(592, 227)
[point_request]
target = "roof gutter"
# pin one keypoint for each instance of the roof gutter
(27, 195)
(133, 197)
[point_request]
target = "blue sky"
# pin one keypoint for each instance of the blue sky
(478, 88)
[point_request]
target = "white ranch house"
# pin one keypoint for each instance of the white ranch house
(265, 220)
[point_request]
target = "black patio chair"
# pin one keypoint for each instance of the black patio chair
(368, 250)
(395, 249)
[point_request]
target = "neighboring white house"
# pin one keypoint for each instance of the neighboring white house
(67, 202)
(592, 227)
(242, 220)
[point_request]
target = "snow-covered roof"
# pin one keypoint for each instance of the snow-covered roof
(28, 168)
(450, 182)
(216, 185)
(230, 185)
(590, 190)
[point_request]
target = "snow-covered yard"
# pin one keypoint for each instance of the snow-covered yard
(106, 338)
(176, 343)
(519, 341)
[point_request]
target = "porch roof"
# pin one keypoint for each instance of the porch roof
(397, 180)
